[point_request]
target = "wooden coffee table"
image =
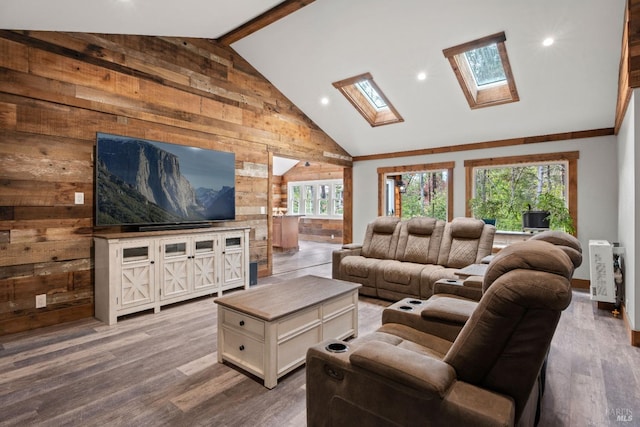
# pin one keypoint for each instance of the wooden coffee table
(267, 330)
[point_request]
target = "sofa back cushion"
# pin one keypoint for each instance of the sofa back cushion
(465, 241)
(568, 243)
(381, 238)
(419, 240)
(534, 257)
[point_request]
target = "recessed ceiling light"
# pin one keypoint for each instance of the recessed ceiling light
(324, 101)
(548, 41)
(422, 76)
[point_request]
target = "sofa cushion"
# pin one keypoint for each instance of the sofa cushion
(465, 241)
(381, 238)
(530, 255)
(400, 272)
(421, 226)
(419, 240)
(568, 243)
(462, 253)
(409, 338)
(358, 266)
(467, 228)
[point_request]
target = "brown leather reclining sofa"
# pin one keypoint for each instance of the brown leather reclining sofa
(400, 259)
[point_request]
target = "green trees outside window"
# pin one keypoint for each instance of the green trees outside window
(425, 195)
(504, 193)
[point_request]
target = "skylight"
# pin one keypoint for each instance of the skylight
(483, 71)
(372, 95)
(367, 98)
(485, 65)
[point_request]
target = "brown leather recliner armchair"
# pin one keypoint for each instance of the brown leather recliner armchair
(400, 376)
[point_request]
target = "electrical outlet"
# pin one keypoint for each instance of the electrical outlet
(332, 236)
(263, 210)
(41, 301)
(79, 198)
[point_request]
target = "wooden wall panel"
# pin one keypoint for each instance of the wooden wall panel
(320, 230)
(57, 90)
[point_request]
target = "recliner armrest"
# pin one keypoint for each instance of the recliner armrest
(352, 246)
(465, 291)
(406, 367)
(338, 255)
(449, 309)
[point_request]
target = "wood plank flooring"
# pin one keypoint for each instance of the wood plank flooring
(161, 370)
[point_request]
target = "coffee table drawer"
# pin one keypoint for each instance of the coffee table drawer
(340, 326)
(293, 351)
(339, 304)
(242, 322)
(246, 352)
(294, 324)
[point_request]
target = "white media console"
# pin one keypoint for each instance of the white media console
(146, 270)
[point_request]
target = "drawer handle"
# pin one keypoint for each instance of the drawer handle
(242, 323)
(241, 348)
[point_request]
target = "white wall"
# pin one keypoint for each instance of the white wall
(628, 215)
(597, 185)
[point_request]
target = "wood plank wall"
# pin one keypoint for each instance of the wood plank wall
(57, 90)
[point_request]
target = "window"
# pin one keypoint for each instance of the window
(417, 190)
(322, 199)
(372, 94)
(424, 194)
(504, 188)
(365, 95)
(485, 65)
(483, 71)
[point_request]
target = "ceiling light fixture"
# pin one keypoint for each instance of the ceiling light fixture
(422, 76)
(548, 41)
(324, 101)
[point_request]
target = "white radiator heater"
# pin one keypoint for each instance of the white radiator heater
(602, 286)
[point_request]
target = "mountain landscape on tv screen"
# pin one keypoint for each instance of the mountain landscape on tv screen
(140, 183)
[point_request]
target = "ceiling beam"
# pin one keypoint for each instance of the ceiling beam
(277, 12)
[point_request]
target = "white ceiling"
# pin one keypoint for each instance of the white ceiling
(282, 165)
(569, 86)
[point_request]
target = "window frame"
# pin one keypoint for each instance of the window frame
(486, 95)
(315, 201)
(386, 172)
(571, 157)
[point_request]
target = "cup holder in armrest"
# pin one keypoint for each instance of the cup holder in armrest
(337, 347)
(405, 308)
(414, 302)
(452, 281)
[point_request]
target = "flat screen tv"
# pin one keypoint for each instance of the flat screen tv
(155, 184)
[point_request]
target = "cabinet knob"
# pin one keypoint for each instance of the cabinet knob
(241, 348)
(242, 323)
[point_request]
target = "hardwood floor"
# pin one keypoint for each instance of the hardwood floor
(161, 369)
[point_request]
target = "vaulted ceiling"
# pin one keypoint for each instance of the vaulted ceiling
(568, 86)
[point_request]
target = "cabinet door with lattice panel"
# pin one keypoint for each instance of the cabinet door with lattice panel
(205, 262)
(175, 268)
(233, 260)
(137, 274)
